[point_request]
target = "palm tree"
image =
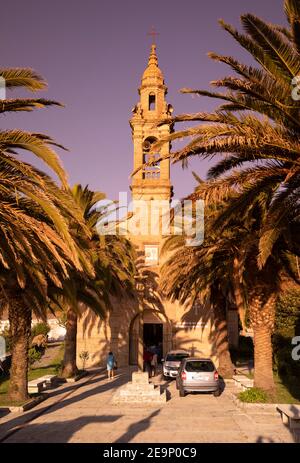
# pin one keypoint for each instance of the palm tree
(40, 268)
(209, 271)
(257, 126)
(112, 261)
(256, 129)
(36, 247)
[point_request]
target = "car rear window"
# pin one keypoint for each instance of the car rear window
(176, 357)
(196, 365)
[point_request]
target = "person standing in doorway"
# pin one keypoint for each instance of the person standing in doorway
(159, 352)
(110, 365)
(147, 361)
(154, 363)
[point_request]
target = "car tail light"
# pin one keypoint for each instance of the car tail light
(183, 375)
(216, 375)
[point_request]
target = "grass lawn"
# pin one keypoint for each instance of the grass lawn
(50, 369)
(287, 392)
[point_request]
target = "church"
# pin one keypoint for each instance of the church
(149, 319)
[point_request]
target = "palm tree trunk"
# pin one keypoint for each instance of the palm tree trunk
(263, 363)
(69, 363)
(238, 293)
(262, 321)
(226, 369)
(20, 326)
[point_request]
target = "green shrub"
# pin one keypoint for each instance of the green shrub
(38, 346)
(40, 328)
(253, 395)
(286, 327)
(288, 313)
(34, 355)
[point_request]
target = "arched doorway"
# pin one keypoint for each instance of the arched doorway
(154, 327)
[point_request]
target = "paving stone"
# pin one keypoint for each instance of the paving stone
(87, 415)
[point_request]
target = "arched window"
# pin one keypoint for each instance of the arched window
(151, 102)
(153, 171)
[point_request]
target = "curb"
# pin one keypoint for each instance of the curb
(261, 407)
(27, 406)
(77, 377)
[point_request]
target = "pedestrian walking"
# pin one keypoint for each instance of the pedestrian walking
(110, 365)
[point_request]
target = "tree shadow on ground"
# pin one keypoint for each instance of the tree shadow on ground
(265, 440)
(136, 428)
(295, 432)
(59, 431)
(95, 386)
(164, 384)
(4, 412)
(222, 384)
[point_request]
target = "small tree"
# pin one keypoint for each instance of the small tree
(84, 356)
(40, 328)
(34, 355)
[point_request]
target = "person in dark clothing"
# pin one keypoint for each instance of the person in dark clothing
(159, 352)
(147, 361)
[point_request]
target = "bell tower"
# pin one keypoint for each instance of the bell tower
(151, 182)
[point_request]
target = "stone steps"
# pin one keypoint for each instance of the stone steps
(137, 387)
(139, 391)
(243, 382)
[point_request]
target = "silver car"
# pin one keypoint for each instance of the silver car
(197, 375)
(172, 362)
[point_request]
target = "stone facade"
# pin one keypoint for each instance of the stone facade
(130, 322)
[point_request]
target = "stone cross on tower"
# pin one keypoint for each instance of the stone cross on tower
(153, 34)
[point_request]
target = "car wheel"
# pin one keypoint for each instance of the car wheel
(217, 393)
(181, 392)
(166, 378)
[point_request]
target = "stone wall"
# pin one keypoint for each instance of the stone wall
(119, 333)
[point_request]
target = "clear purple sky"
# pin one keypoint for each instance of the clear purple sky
(93, 53)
